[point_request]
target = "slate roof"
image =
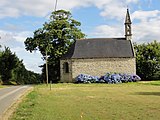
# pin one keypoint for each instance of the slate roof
(101, 48)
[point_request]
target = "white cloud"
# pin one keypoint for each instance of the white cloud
(144, 16)
(148, 28)
(16, 8)
(9, 12)
(21, 36)
(146, 31)
(7, 37)
(132, 1)
(114, 12)
(15, 41)
(108, 31)
(32, 61)
(142, 31)
(12, 27)
(113, 9)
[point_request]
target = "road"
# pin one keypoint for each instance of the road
(9, 96)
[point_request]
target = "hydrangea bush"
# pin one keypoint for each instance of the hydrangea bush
(110, 78)
(84, 78)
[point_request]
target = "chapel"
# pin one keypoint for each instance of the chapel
(97, 56)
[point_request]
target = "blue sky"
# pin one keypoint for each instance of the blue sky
(99, 18)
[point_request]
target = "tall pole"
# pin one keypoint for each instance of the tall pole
(47, 55)
(46, 67)
(55, 6)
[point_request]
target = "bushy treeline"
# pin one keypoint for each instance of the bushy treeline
(148, 60)
(13, 71)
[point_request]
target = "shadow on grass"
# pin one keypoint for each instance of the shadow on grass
(148, 93)
(155, 83)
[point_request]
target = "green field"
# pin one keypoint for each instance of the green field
(129, 101)
(2, 86)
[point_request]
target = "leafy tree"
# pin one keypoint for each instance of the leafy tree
(13, 70)
(0, 64)
(54, 39)
(147, 59)
(33, 78)
(8, 61)
(19, 73)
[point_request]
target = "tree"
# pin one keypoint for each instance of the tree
(8, 62)
(54, 39)
(147, 59)
(12, 70)
(19, 73)
(0, 64)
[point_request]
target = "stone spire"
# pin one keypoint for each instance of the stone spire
(128, 33)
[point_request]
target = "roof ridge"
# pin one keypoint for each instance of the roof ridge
(100, 38)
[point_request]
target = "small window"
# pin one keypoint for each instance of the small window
(66, 67)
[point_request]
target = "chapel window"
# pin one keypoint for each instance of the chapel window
(66, 67)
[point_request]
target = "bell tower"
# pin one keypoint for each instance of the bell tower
(128, 32)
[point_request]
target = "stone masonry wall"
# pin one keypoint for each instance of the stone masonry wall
(99, 67)
(65, 77)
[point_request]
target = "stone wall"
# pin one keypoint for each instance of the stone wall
(97, 67)
(65, 77)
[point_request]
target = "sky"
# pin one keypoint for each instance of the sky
(99, 19)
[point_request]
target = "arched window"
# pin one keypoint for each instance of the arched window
(66, 67)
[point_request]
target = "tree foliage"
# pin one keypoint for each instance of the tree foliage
(13, 70)
(56, 35)
(55, 38)
(148, 60)
(8, 61)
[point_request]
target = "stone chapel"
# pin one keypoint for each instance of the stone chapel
(97, 56)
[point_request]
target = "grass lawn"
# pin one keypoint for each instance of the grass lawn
(2, 86)
(129, 101)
